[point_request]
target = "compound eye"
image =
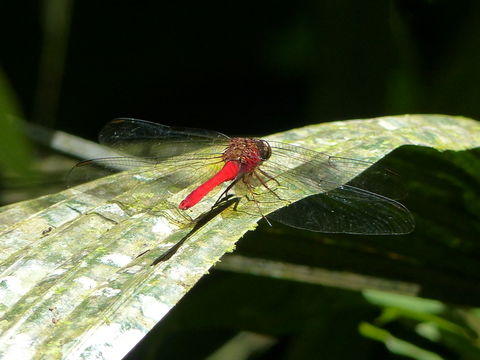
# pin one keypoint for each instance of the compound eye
(266, 150)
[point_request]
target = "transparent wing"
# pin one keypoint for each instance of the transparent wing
(95, 168)
(313, 187)
(324, 172)
(140, 185)
(150, 144)
(349, 210)
(147, 139)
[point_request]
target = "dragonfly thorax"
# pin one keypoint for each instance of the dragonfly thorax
(248, 152)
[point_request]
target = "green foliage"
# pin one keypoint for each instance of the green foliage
(429, 328)
(15, 150)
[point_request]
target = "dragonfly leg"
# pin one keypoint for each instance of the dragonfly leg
(265, 184)
(224, 195)
(264, 173)
(250, 187)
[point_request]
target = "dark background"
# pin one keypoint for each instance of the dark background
(255, 68)
(240, 68)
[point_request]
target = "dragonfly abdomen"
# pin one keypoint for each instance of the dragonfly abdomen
(229, 172)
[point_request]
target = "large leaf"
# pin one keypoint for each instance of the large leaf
(76, 267)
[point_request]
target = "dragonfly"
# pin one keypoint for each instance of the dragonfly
(282, 182)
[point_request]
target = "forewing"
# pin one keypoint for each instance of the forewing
(321, 172)
(147, 139)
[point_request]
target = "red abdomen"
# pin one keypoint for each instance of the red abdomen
(230, 171)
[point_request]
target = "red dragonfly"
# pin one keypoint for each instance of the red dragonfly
(318, 192)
